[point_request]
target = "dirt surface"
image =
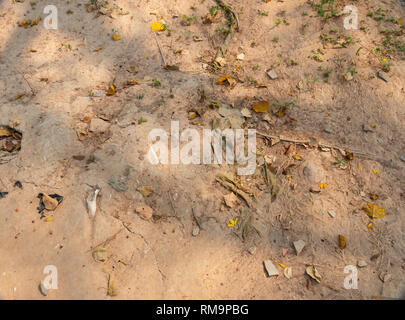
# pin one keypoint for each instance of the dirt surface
(72, 134)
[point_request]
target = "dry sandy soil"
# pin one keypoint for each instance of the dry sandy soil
(53, 91)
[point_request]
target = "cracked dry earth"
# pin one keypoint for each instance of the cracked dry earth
(53, 91)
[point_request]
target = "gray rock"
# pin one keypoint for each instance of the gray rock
(299, 246)
(327, 130)
(270, 268)
(383, 76)
(362, 264)
(402, 158)
(272, 74)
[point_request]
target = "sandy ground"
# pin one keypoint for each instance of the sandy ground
(53, 90)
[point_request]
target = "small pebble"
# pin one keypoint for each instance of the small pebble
(196, 231)
(241, 56)
(332, 213)
(362, 264)
(327, 130)
(44, 291)
(367, 128)
(402, 158)
(252, 250)
(299, 246)
(383, 76)
(272, 74)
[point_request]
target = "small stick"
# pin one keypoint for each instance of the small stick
(160, 50)
(356, 152)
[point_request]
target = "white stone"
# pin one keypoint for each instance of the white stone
(270, 268)
(299, 246)
(362, 264)
(240, 56)
(272, 74)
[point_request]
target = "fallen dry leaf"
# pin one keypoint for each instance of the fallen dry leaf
(374, 211)
(133, 82)
(313, 273)
(342, 241)
(146, 191)
(227, 79)
(111, 90)
(261, 106)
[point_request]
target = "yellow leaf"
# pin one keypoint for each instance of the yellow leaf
(282, 266)
(49, 219)
(111, 90)
(399, 21)
(374, 211)
(261, 106)
(133, 82)
(281, 112)
(223, 79)
(232, 223)
(322, 186)
(156, 26)
(298, 157)
(116, 37)
(123, 262)
(342, 241)
(98, 49)
(375, 171)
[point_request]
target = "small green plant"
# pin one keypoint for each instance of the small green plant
(262, 13)
(69, 12)
(387, 66)
(317, 57)
(222, 31)
(351, 71)
(277, 22)
(186, 21)
(140, 96)
(327, 74)
(156, 83)
(276, 38)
